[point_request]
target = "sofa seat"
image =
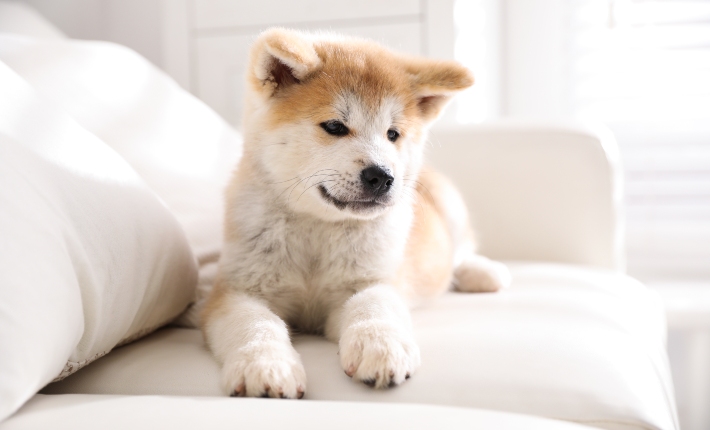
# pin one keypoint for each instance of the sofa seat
(82, 412)
(563, 342)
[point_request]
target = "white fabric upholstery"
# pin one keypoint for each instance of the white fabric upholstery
(89, 256)
(180, 147)
(537, 192)
(568, 343)
(563, 342)
(77, 412)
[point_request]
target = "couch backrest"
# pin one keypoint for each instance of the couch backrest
(537, 192)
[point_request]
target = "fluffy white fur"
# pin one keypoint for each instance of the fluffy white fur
(295, 259)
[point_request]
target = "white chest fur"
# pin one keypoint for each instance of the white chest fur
(304, 267)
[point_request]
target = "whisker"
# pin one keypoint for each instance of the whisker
(296, 177)
(317, 183)
(323, 174)
(281, 182)
(294, 186)
(423, 186)
(299, 182)
(286, 189)
(413, 196)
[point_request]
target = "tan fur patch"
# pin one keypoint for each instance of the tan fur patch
(353, 66)
(428, 263)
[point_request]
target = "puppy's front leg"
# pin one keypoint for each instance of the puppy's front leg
(375, 337)
(253, 346)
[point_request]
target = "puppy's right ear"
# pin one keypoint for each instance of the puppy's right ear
(281, 58)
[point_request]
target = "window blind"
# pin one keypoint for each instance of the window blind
(643, 68)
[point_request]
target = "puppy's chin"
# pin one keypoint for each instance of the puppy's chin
(322, 205)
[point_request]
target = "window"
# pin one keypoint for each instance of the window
(643, 68)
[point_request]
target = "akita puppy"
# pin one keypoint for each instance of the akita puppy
(332, 226)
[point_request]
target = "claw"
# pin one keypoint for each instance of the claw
(239, 391)
(369, 382)
(350, 371)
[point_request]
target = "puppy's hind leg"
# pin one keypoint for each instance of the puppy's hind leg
(472, 272)
(475, 273)
(253, 347)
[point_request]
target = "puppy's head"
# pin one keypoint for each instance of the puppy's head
(335, 126)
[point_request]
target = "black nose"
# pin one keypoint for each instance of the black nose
(376, 180)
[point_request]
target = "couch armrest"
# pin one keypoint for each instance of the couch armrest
(536, 191)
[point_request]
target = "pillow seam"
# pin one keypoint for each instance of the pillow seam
(72, 367)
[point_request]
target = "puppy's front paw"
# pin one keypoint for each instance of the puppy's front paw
(378, 354)
(479, 274)
(271, 370)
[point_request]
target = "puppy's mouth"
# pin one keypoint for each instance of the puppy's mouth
(354, 205)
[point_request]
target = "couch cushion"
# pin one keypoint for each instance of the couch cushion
(81, 412)
(563, 342)
(180, 147)
(89, 256)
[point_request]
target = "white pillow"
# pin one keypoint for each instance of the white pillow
(180, 147)
(89, 256)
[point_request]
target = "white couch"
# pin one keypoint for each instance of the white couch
(573, 343)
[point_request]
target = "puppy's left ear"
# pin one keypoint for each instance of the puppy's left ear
(435, 83)
(281, 58)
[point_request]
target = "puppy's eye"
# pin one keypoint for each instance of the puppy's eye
(335, 127)
(392, 135)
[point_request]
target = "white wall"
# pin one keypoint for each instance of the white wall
(533, 59)
(516, 80)
(134, 23)
(519, 52)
